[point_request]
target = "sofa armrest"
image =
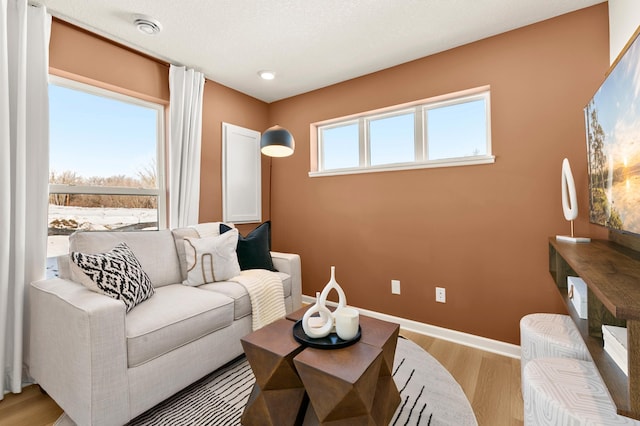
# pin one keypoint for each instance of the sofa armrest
(78, 351)
(290, 263)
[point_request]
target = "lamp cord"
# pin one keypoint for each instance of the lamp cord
(270, 185)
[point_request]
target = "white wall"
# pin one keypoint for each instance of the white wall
(624, 18)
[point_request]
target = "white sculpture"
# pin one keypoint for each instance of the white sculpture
(333, 284)
(322, 327)
(569, 200)
(569, 203)
(317, 327)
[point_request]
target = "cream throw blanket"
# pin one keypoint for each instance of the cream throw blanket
(265, 288)
(266, 294)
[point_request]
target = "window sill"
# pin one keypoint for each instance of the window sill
(456, 162)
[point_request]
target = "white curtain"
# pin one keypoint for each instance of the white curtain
(24, 170)
(185, 134)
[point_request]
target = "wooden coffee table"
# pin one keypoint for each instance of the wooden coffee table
(296, 384)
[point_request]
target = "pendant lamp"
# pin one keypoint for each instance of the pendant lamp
(277, 142)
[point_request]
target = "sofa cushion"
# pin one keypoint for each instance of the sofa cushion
(155, 250)
(254, 250)
(237, 292)
(212, 229)
(116, 273)
(211, 259)
(173, 317)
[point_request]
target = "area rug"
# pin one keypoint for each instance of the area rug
(429, 395)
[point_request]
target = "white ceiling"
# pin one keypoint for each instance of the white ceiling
(308, 43)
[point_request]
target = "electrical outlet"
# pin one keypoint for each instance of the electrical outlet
(441, 295)
(395, 286)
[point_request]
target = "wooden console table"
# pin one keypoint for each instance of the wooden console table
(612, 275)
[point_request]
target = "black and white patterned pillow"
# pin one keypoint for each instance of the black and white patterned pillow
(117, 273)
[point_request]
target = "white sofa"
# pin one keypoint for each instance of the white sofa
(104, 366)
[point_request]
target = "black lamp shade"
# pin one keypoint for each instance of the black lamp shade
(277, 142)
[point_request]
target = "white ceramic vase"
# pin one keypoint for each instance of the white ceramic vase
(333, 285)
(325, 318)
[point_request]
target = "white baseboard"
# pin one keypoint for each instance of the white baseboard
(478, 342)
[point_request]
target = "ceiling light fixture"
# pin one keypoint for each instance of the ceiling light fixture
(267, 75)
(147, 25)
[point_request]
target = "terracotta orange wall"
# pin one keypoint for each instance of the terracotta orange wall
(479, 231)
(82, 56)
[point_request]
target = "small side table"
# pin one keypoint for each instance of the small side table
(296, 384)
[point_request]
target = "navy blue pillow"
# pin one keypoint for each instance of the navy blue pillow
(254, 250)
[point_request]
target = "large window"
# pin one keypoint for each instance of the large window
(106, 162)
(451, 130)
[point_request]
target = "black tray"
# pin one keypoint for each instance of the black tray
(332, 341)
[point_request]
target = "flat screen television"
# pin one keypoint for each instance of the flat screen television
(613, 145)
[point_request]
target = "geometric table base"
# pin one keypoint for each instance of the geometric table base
(274, 407)
(364, 420)
(278, 395)
(386, 401)
(296, 384)
(341, 384)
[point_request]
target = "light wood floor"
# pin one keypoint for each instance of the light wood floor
(491, 383)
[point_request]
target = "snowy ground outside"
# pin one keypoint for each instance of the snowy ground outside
(91, 218)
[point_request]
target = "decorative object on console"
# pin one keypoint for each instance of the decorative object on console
(615, 344)
(577, 293)
(569, 203)
(277, 142)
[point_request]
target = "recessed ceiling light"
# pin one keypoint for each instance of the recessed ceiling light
(267, 75)
(147, 25)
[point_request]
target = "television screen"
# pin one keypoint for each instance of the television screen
(613, 146)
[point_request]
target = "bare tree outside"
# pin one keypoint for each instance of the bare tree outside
(147, 178)
(70, 212)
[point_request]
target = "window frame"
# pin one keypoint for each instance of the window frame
(366, 137)
(420, 109)
(160, 192)
(341, 124)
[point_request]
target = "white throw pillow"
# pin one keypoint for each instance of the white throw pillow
(211, 259)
